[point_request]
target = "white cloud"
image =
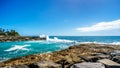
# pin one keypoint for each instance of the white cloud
(101, 26)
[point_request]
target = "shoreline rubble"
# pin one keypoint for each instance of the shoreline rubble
(67, 57)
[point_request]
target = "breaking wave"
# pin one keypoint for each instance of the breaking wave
(55, 39)
(51, 40)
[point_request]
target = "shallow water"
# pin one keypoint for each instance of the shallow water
(16, 49)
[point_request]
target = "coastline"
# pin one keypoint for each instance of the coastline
(20, 38)
(71, 55)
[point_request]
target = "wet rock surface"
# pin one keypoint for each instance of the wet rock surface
(67, 57)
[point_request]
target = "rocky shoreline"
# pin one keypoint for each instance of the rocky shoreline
(65, 58)
(20, 38)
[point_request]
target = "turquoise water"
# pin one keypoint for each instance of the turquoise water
(16, 49)
(10, 50)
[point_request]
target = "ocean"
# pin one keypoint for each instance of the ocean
(9, 50)
(97, 39)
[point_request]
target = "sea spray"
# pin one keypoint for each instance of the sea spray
(55, 39)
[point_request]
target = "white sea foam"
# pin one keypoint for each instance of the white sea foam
(18, 47)
(63, 46)
(40, 42)
(91, 42)
(35, 41)
(113, 43)
(55, 39)
(50, 40)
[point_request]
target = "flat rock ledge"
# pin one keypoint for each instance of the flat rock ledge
(83, 54)
(88, 65)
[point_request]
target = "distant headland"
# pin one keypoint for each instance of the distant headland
(13, 35)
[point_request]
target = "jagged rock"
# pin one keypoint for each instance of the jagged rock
(44, 64)
(90, 58)
(115, 53)
(116, 59)
(100, 55)
(88, 65)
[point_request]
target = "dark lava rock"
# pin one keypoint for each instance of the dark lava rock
(116, 59)
(115, 53)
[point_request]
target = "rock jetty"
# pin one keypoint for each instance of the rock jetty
(89, 53)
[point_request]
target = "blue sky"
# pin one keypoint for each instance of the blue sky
(61, 17)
